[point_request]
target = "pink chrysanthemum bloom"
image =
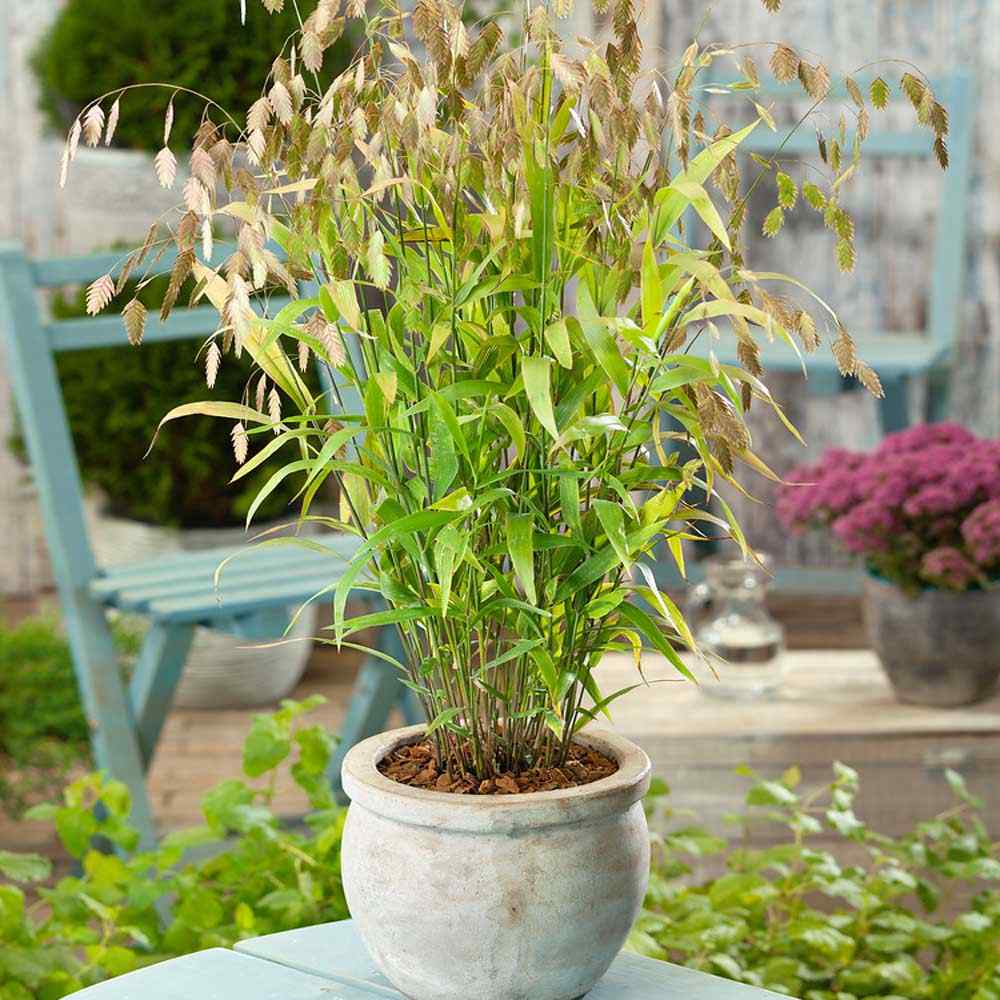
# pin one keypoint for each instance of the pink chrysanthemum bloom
(981, 533)
(948, 567)
(924, 507)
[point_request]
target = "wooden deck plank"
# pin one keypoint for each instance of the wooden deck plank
(839, 693)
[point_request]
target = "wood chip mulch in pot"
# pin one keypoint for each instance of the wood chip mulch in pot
(416, 765)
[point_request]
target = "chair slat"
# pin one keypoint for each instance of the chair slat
(884, 145)
(888, 353)
(108, 331)
(56, 271)
(204, 574)
(205, 561)
(204, 591)
(243, 601)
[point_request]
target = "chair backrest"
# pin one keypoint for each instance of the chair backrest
(32, 342)
(956, 91)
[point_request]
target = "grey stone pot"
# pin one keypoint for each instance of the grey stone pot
(512, 897)
(940, 648)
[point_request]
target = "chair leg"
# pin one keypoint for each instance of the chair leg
(113, 737)
(938, 391)
(376, 692)
(161, 662)
(413, 713)
(895, 408)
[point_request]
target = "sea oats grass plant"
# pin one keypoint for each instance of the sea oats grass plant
(511, 262)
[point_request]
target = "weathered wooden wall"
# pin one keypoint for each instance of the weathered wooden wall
(895, 206)
(888, 290)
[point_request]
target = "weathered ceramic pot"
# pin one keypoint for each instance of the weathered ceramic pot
(512, 897)
(939, 648)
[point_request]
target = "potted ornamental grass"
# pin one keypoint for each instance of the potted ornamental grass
(923, 511)
(513, 260)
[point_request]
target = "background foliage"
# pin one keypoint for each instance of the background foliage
(912, 919)
(43, 731)
(97, 45)
(254, 877)
(897, 922)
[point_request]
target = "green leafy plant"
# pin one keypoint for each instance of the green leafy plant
(124, 911)
(795, 917)
(101, 43)
(499, 235)
(43, 731)
(800, 919)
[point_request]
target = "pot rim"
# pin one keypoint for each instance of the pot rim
(368, 788)
(875, 580)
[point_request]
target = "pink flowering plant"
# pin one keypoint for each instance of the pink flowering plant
(923, 509)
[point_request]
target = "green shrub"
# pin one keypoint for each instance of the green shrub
(114, 398)
(96, 46)
(797, 919)
(258, 877)
(791, 917)
(43, 731)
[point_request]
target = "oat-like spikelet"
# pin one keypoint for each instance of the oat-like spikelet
(845, 353)
(203, 166)
(165, 165)
(261, 392)
(784, 63)
(303, 356)
(134, 317)
(69, 151)
(112, 124)
(213, 360)
(259, 115)
(99, 294)
(196, 196)
(868, 377)
(241, 443)
(93, 125)
(311, 49)
(281, 102)
(207, 239)
(328, 334)
(807, 331)
(168, 123)
(274, 407)
(256, 147)
(73, 142)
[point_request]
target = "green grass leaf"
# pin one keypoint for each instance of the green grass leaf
(557, 336)
(600, 340)
(536, 373)
(520, 545)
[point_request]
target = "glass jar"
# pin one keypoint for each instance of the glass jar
(744, 645)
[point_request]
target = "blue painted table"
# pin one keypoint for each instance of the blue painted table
(329, 962)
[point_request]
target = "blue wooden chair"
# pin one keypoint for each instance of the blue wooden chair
(257, 594)
(899, 358)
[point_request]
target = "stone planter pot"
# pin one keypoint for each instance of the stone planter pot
(222, 670)
(939, 648)
(513, 897)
